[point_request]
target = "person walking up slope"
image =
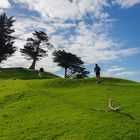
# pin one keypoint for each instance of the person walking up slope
(97, 70)
(41, 71)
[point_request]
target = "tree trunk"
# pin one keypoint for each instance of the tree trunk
(65, 72)
(33, 65)
(35, 59)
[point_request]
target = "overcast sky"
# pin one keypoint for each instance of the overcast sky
(106, 32)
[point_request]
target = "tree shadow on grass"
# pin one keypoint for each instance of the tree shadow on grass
(119, 112)
(126, 115)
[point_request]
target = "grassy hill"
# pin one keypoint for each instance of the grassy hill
(64, 109)
(22, 73)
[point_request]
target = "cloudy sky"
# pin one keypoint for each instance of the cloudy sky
(106, 32)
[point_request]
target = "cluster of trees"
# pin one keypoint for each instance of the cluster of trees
(36, 48)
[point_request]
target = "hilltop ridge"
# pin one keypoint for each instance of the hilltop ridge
(23, 73)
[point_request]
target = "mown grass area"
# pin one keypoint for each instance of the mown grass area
(23, 73)
(64, 109)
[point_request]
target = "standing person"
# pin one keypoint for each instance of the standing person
(41, 71)
(97, 72)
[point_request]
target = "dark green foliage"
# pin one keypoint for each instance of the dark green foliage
(7, 47)
(79, 72)
(73, 65)
(36, 47)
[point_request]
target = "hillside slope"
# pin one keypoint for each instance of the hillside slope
(64, 109)
(22, 73)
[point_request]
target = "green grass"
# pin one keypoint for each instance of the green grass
(63, 109)
(22, 73)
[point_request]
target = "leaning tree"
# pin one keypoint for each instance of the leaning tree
(36, 47)
(73, 65)
(7, 47)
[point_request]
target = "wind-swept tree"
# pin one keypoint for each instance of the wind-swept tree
(72, 64)
(36, 47)
(7, 47)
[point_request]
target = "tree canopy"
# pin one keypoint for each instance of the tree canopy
(7, 47)
(73, 65)
(36, 47)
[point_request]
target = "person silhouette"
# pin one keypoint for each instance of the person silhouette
(41, 71)
(97, 70)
